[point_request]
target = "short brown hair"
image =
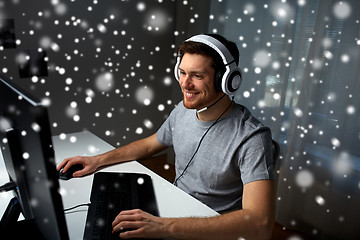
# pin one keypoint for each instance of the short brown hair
(201, 49)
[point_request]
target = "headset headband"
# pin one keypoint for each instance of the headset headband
(216, 45)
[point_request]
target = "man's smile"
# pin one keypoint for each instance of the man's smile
(190, 94)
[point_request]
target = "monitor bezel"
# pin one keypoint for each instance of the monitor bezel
(36, 176)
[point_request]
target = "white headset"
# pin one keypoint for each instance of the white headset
(230, 80)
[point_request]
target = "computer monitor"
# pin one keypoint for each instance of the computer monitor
(26, 145)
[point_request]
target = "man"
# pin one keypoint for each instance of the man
(223, 154)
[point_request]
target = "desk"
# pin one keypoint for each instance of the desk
(172, 201)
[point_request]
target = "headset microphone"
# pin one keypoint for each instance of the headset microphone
(201, 110)
(206, 108)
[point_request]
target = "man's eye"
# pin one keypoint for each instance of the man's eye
(197, 76)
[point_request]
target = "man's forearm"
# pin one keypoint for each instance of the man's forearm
(128, 152)
(236, 225)
(133, 151)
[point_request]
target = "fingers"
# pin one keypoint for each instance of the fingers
(79, 173)
(82, 172)
(138, 224)
(68, 162)
(131, 219)
(127, 226)
(129, 215)
(62, 164)
(137, 232)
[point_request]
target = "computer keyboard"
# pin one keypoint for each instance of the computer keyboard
(112, 193)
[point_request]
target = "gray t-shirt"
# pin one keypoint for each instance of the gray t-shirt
(237, 150)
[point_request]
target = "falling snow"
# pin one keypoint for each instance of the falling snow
(110, 67)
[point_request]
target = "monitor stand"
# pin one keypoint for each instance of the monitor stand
(11, 228)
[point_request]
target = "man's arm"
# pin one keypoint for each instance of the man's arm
(139, 149)
(136, 150)
(254, 221)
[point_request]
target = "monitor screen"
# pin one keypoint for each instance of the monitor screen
(26, 147)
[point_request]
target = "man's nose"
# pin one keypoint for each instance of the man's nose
(186, 81)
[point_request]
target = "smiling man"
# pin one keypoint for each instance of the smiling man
(223, 155)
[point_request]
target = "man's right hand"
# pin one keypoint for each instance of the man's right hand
(90, 165)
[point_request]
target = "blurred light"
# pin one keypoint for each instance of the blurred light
(304, 179)
(342, 10)
(320, 200)
(144, 95)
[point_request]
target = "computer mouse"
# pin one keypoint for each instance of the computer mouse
(69, 173)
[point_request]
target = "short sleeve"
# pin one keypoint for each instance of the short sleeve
(164, 134)
(256, 161)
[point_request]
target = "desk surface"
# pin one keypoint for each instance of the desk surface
(172, 201)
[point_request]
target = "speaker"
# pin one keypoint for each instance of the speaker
(229, 79)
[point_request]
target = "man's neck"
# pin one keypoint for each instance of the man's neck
(216, 110)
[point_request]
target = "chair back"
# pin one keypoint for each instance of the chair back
(276, 152)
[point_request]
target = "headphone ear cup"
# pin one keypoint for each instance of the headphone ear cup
(233, 82)
(176, 68)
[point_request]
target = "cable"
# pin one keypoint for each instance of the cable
(202, 138)
(206, 108)
(8, 187)
(77, 206)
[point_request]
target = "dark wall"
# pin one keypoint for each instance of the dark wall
(104, 66)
